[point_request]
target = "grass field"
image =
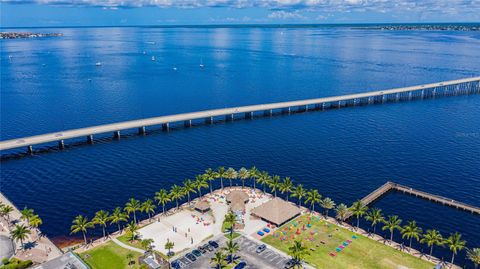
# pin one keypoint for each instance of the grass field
(361, 253)
(109, 256)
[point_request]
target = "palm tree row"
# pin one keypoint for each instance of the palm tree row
(21, 232)
(275, 184)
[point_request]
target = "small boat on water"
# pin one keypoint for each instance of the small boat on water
(98, 64)
(174, 68)
(153, 58)
(201, 63)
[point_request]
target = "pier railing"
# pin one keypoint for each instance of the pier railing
(447, 88)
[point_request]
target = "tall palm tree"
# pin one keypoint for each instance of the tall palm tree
(231, 248)
(263, 179)
(81, 224)
(231, 174)
(5, 211)
(221, 175)
(129, 257)
(410, 231)
(313, 197)
(147, 244)
(243, 175)
(327, 204)
(218, 260)
(254, 174)
(474, 256)
(26, 213)
(118, 216)
(20, 233)
(132, 229)
(432, 238)
(199, 184)
(188, 187)
(286, 186)
(341, 212)
(132, 206)
(299, 192)
(209, 176)
(35, 221)
(148, 207)
(392, 223)
(298, 252)
(169, 246)
(274, 183)
(176, 193)
(375, 216)
(162, 197)
(358, 209)
(101, 218)
(455, 243)
(230, 220)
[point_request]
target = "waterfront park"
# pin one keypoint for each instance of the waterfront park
(307, 228)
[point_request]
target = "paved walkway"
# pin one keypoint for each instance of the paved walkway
(116, 241)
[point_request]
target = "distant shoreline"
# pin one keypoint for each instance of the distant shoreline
(18, 35)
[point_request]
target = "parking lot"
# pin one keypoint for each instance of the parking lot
(268, 259)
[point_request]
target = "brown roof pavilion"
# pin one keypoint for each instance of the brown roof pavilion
(237, 200)
(276, 211)
(202, 206)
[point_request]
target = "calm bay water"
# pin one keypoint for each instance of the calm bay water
(53, 84)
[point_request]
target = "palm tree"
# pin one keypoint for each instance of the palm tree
(221, 174)
(162, 197)
(254, 174)
(263, 179)
(176, 193)
(431, 238)
(20, 233)
(118, 215)
(341, 212)
(188, 187)
(132, 229)
(474, 256)
(298, 252)
(274, 183)
(299, 192)
(358, 209)
(219, 260)
(200, 183)
(230, 220)
(410, 231)
(133, 205)
(27, 213)
(35, 221)
(375, 216)
(392, 223)
(129, 257)
(243, 175)
(231, 174)
(101, 218)
(81, 224)
(147, 244)
(209, 176)
(5, 211)
(231, 249)
(169, 246)
(455, 243)
(286, 186)
(327, 204)
(148, 207)
(313, 197)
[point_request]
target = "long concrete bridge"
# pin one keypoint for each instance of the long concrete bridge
(447, 88)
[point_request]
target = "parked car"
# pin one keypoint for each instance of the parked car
(261, 248)
(175, 264)
(202, 249)
(241, 265)
(213, 244)
(197, 253)
(191, 257)
(290, 264)
(208, 247)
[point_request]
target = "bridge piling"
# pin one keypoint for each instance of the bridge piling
(141, 130)
(166, 126)
(209, 120)
(30, 150)
(90, 139)
(187, 123)
(116, 135)
(61, 144)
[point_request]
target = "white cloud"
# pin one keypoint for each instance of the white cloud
(285, 15)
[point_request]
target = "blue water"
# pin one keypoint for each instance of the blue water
(431, 145)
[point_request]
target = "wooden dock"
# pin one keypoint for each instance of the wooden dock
(388, 186)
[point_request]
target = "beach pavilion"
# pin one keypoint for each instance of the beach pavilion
(237, 200)
(202, 206)
(276, 211)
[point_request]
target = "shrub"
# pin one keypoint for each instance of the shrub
(15, 264)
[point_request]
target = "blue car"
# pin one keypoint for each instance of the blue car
(241, 265)
(176, 265)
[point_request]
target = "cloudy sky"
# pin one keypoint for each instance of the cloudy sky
(20, 13)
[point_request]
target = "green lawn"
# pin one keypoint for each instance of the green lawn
(361, 253)
(109, 256)
(136, 243)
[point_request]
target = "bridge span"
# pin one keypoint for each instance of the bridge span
(447, 88)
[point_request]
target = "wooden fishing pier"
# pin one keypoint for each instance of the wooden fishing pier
(391, 186)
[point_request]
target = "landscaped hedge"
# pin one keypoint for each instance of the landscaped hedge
(16, 264)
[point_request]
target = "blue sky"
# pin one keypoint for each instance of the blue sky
(31, 13)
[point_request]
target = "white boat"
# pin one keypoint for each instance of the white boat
(201, 63)
(153, 58)
(98, 64)
(174, 68)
